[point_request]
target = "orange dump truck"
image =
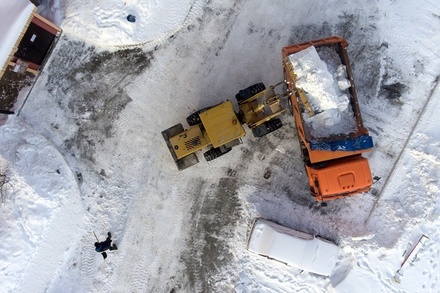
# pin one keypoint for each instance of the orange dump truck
(327, 117)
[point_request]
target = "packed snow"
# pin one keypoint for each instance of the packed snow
(324, 80)
(106, 22)
(85, 153)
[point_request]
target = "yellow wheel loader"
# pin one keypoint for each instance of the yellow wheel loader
(219, 128)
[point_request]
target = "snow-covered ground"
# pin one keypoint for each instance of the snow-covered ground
(85, 153)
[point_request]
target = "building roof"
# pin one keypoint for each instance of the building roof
(14, 18)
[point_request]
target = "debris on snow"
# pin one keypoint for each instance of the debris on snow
(410, 257)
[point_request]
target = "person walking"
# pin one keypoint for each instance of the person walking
(105, 245)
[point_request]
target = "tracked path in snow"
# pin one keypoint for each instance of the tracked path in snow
(396, 162)
(56, 241)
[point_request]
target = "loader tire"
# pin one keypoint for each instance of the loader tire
(193, 119)
(274, 124)
(247, 93)
(267, 127)
(214, 153)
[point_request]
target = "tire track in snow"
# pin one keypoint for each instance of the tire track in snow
(128, 263)
(88, 268)
(214, 217)
(396, 162)
(55, 248)
(147, 251)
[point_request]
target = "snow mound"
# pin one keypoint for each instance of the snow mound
(105, 22)
(40, 193)
(324, 79)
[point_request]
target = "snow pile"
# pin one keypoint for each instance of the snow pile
(326, 85)
(39, 185)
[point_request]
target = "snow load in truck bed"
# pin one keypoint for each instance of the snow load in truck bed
(324, 79)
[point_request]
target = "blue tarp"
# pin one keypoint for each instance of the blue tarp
(349, 144)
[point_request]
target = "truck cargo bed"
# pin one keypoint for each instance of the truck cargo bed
(326, 100)
(327, 118)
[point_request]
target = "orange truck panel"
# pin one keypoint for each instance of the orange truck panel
(340, 178)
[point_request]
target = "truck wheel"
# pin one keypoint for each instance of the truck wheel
(304, 153)
(289, 102)
(214, 153)
(249, 92)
